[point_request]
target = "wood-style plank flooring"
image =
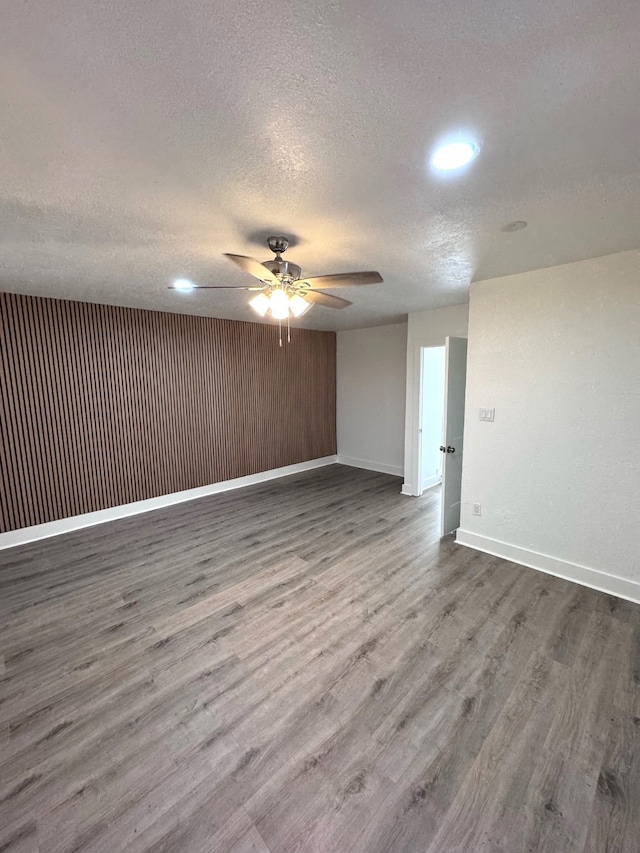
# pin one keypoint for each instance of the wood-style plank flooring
(305, 666)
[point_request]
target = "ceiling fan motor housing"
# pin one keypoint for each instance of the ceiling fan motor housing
(284, 269)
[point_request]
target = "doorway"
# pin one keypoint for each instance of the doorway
(441, 424)
(432, 370)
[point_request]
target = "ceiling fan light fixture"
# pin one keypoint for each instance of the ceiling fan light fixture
(298, 305)
(260, 304)
(279, 304)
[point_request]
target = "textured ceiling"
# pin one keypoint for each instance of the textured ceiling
(140, 140)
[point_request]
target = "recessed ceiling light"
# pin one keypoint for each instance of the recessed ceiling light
(517, 225)
(454, 156)
(184, 285)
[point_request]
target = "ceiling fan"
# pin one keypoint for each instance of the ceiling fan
(284, 292)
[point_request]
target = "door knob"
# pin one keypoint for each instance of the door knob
(451, 449)
(442, 448)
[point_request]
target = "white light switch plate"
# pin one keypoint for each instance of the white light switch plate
(487, 414)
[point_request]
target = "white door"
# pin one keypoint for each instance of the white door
(454, 387)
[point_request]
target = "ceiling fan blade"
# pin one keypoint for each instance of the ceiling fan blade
(253, 267)
(325, 299)
(342, 279)
(213, 287)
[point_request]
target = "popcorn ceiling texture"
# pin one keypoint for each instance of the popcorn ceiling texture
(142, 140)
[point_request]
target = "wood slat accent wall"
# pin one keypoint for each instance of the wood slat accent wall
(102, 406)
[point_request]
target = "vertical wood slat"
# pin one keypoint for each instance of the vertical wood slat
(102, 405)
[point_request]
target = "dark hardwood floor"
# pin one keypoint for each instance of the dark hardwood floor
(305, 666)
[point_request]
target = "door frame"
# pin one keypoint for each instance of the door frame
(416, 339)
(412, 418)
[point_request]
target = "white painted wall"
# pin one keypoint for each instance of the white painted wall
(431, 416)
(425, 329)
(370, 405)
(557, 353)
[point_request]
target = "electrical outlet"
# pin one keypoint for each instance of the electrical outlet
(477, 509)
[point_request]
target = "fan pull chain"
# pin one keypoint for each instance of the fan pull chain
(288, 329)
(280, 331)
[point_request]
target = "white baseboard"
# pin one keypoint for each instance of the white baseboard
(431, 482)
(76, 522)
(410, 490)
(381, 467)
(593, 578)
